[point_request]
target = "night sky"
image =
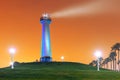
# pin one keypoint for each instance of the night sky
(76, 37)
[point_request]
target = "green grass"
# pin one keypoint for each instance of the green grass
(56, 71)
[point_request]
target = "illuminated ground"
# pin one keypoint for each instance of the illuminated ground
(56, 71)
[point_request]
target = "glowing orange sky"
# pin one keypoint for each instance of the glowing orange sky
(75, 38)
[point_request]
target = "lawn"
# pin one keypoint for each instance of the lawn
(56, 71)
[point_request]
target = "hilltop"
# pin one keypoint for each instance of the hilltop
(56, 71)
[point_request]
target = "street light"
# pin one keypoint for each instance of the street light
(12, 52)
(62, 58)
(98, 55)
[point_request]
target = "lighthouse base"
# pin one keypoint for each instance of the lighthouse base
(46, 59)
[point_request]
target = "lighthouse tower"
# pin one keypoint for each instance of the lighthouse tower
(46, 56)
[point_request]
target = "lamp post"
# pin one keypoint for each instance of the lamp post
(62, 58)
(12, 52)
(98, 55)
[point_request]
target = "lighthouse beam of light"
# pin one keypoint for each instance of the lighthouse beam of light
(92, 8)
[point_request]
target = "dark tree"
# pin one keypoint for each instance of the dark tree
(113, 58)
(116, 48)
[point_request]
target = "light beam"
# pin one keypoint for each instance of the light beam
(92, 8)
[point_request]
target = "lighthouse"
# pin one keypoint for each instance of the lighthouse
(46, 55)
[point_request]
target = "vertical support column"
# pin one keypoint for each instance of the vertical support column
(46, 47)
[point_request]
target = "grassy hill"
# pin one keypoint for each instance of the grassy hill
(56, 71)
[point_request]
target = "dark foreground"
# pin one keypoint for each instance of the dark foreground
(56, 71)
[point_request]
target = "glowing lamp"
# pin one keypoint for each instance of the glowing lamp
(12, 50)
(62, 57)
(98, 54)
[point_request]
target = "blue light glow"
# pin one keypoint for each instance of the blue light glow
(46, 47)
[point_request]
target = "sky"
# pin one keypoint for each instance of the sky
(77, 30)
